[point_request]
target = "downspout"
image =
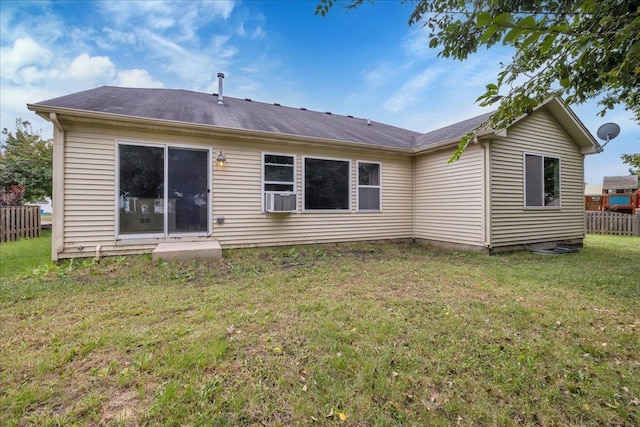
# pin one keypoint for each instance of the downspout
(57, 243)
(413, 197)
(486, 192)
(584, 207)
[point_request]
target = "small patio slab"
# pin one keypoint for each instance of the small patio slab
(181, 251)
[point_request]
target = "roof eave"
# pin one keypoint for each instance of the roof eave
(450, 142)
(187, 127)
(556, 107)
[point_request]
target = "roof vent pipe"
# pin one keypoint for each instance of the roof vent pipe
(220, 97)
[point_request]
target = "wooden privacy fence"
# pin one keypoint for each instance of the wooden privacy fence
(19, 222)
(619, 224)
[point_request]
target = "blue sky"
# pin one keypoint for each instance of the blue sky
(367, 62)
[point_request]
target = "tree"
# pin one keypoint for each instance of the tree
(632, 160)
(26, 159)
(575, 49)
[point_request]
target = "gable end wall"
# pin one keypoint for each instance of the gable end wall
(511, 223)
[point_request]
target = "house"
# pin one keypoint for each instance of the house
(593, 197)
(135, 168)
(620, 194)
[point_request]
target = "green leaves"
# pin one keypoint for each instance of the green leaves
(323, 7)
(582, 50)
(632, 160)
(483, 18)
(26, 159)
(505, 19)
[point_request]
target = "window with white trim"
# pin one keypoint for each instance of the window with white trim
(326, 184)
(279, 173)
(278, 180)
(369, 187)
(542, 181)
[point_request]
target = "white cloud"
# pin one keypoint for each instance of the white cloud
(413, 90)
(252, 27)
(196, 67)
(14, 105)
(92, 69)
(24, 55)
(380, 74)
(113, 39)
(256, 32)
(137, 78)
(416, 43)
(178, 18)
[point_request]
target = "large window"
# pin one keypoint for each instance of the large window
(162, 190)
(542, 181)
(369, 186)
(326, 184)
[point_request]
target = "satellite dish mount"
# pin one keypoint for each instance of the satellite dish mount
(607, 132)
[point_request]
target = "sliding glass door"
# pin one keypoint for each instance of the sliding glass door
(163, 190)
(188, 190)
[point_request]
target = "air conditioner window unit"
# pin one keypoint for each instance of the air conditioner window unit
(280, 202)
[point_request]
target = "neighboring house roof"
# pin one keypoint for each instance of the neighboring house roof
(593, 189)
(620, 182)
(203, 109)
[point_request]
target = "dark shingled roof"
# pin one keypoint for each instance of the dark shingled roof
(451, 132)
(202, 108)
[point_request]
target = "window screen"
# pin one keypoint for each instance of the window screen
(542, 181)
(279, 173)
(326, 184)
(369, 186)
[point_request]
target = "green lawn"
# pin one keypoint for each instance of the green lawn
(23, 256)
(349, 335)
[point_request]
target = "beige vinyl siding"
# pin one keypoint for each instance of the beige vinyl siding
(89, 192)
(449, 197)
(511, 223)
(238, 198)
(90, 189)
(90, 199)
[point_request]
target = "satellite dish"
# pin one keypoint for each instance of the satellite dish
(607, 132)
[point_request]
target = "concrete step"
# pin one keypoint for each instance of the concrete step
(181, 251)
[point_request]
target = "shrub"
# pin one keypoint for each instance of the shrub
(12, 195)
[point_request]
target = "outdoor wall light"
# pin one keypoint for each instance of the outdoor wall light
(221, 160)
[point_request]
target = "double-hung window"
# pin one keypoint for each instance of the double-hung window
(369, 187)
(326, 184)
(279, 174)
(542, 181)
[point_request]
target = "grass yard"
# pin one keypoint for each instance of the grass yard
(347, 335)
(25, 255)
